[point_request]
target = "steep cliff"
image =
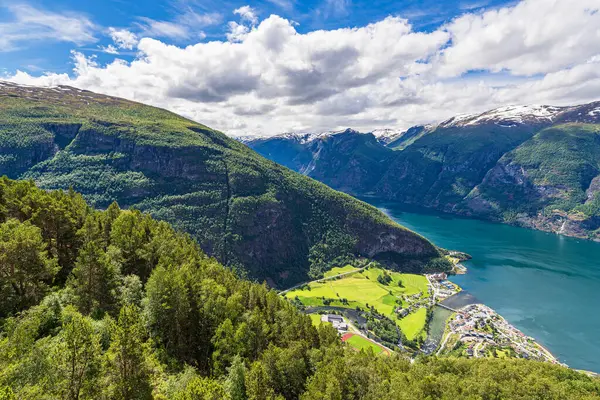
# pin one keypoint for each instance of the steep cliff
(528, 165)
(551, 182)
(248, 212)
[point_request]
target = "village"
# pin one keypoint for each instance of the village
(440, 287)
(478, 331)
(474, 330)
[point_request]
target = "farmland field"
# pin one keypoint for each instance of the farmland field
(359, 343)
(412, 325)
(339, 270)
(363, 290)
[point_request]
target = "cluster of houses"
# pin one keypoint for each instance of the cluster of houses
(441, 286)
(442, 276)
(475, 323)
(415, 302)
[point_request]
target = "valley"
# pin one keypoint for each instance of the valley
(300, 200)
(362, 303)
(530, 166)
(251, 214)
(543, 284)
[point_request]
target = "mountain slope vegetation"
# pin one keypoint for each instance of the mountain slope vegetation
(116, 305)
(250, 213)
(535, 166)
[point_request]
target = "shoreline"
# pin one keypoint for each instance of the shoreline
(416, 208)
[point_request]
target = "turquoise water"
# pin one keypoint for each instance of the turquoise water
(546, 285)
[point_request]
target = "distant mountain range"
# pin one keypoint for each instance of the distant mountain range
(246, 211)
(533, 166)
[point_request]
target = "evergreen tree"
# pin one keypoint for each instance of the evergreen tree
(25, 267)
(126, 366)
(78, 355)
(235, 384)
(203, 389)
(95, 277)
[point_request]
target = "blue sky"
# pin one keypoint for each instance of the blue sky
(271, 66)
(49, 55)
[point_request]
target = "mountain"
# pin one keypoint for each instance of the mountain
(534, 166)
(246, 211)
(116, 305)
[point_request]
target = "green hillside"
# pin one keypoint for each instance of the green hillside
(555, 173)
(250, 213)
(116, 305)
(536, 167)
(440, 168)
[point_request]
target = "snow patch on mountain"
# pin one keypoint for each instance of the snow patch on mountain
(508, 116)
(383, 133)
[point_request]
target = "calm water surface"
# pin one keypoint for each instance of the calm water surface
(546, 285)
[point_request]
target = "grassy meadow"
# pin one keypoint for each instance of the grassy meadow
(359, 343)
(363, 290)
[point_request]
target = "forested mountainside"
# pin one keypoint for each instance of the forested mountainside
(116, 305)
(346, 160)
(248, 212)
(533, 166)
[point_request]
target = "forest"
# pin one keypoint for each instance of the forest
(116, 305)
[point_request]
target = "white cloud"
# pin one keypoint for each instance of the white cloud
(336, 8)
(533, 37)
(30, 24)
(187, 25)
(270, 78)
(123, 38)
(237, 32)
(248, 14)
(110, 49)
(164, 29)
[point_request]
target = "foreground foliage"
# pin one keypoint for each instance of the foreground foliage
(120, 306)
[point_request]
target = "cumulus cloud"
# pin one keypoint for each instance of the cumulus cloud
(533, 37)
(27, 24)
(247, 13)
(270, 78)
(237, 32)
(123, 38)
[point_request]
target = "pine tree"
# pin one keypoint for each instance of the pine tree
(78, 355)
(236, 379)
(126, 365)
(95, 277)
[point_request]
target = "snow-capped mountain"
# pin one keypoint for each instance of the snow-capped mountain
(298, 137)
(508, 116)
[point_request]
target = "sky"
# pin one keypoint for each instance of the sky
(272, 66)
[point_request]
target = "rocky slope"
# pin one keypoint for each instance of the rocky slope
(248, 212)
(535, 166)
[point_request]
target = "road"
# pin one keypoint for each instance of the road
(444, 343)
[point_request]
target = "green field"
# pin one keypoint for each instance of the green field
(362, 289)
(316, 319)
(339, 270)
(412, 325)
(360, 343)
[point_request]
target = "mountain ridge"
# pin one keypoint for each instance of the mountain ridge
(247, 211)
(446, 166)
